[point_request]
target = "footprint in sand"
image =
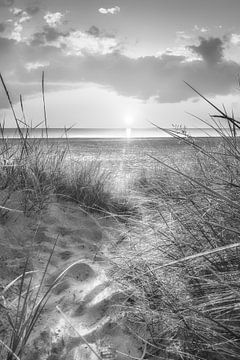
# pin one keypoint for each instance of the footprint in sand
(65, 255)
(62, 287)
(78, 272)
(85, 232)
(81, 272)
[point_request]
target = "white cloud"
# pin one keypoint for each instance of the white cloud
(16, 34)
(78, 43)
(53, 19)
(21, 17)
(25, 17)
(180, 51)
(35, 65)
(235, 39)
(201, 29)
(16, 11)
(182, 35)
(113, 11)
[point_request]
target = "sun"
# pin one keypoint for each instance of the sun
(128, 120)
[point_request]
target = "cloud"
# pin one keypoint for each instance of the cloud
(6, 3)
(210, 50)
(80, 43)
(16, 11)
(35, 65)
(24, 18)
(159, 78)
(95, 31)
(30, 10)
(79, 57)
(21, 17)
(201, 29)
(53, 19)
(76, 42)
(49, 34)
(16, 33)
(235, 39)
(28, 90)
(114, 10)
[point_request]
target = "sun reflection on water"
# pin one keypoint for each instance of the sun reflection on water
(128, 133)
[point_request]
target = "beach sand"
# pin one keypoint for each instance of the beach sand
(86, 294)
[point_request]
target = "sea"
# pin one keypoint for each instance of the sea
(123, 153)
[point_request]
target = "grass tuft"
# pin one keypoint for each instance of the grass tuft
(182, 268)
(40, 171)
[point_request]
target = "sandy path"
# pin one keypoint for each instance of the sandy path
(85, 294)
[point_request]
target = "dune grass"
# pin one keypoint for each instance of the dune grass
(40, 171)
(23, 312)
(44, 174)
(182, 268)
(34, 173)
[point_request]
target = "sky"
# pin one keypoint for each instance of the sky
(115, 64)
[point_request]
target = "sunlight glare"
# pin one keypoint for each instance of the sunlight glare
(128, 120)
(128, 133)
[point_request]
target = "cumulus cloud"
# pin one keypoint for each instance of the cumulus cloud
(24, 18)
(235, 39)
(210, 50)
(16, 33)
(80, 43)
(6, 3)
(158, 77)
(114, 10)
(76, 42)
(16, 11)
(201, 29)
(47, 35)
(53, 19)
(30, 10)
(21, 17)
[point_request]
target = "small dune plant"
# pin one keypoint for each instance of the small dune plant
(89, 184)
(181, 269)
(22, 311)
(37, 171)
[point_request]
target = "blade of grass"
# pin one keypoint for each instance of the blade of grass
(44, 105)
(202, 254)
(9, 350)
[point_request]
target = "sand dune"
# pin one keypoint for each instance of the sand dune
(85, 293)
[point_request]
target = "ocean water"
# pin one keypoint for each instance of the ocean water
(125, 158)
(128, 159)
(113, 133)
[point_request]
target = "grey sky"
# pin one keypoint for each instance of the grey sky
(141, 51)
